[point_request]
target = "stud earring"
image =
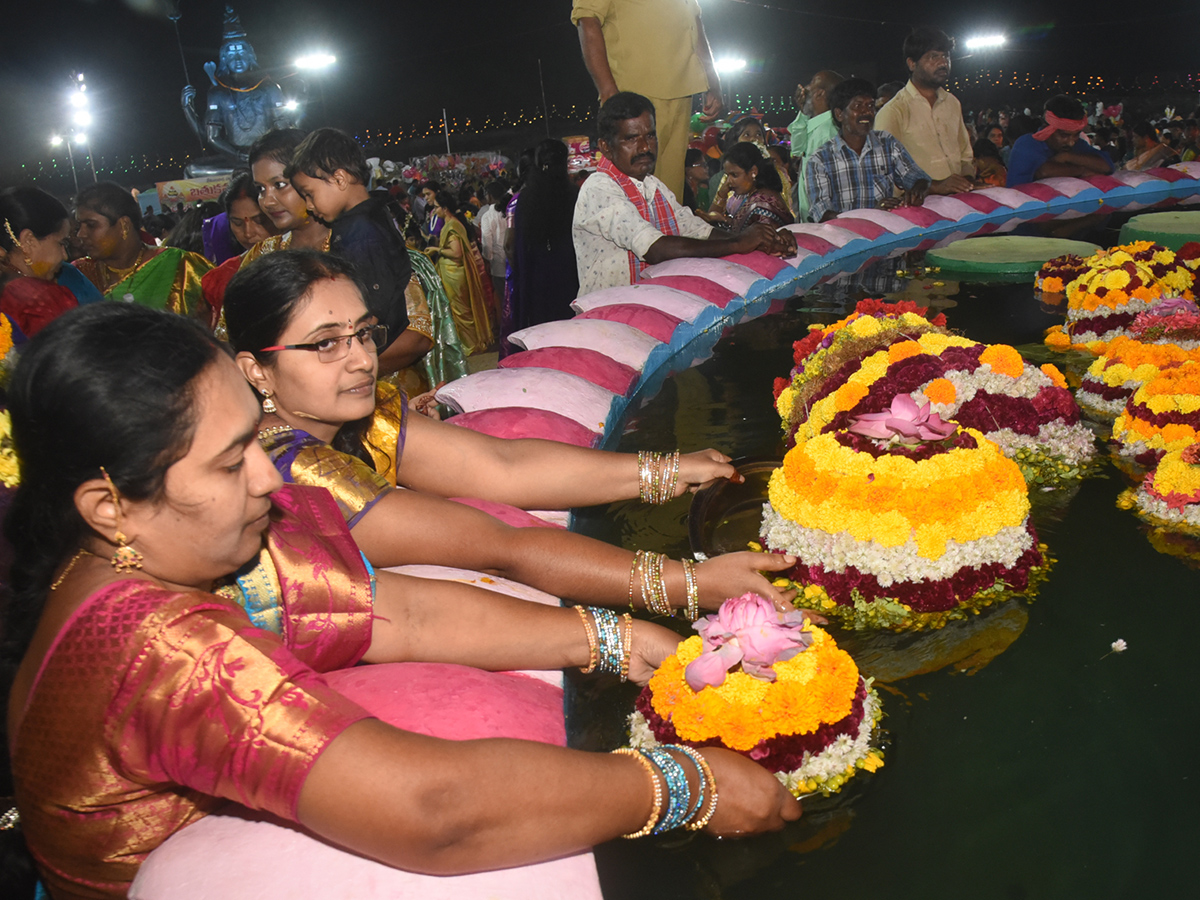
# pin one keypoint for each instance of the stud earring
(125, 558)
(268, 405)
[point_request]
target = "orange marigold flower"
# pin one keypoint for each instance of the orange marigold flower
(849, 395)
(903, 350)
(941, 390)
(1051, 371)
(1057, 339)
(1004, 360)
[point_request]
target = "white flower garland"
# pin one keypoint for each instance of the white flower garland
(836, 552)
(1073, 443)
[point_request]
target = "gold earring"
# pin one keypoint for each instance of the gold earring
(125, 558)
(268, 405)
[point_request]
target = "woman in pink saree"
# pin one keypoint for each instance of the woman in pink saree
(144, 695)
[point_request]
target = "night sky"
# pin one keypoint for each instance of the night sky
(400, 62)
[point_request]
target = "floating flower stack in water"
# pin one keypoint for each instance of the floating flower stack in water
(771, 686)
(1027, 410)
(1169, 496)
(1163, 415)
(902, 521)
(1160, 339)
(1118, 285)
(1055, 275)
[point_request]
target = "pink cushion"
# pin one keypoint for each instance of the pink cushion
(763, 263)
(509, 515)
(861, 227)
(524, 422)
(236, 854)
(919, 215)
(978, 202)
(590, 364)
(457, 703)
(1170, 174)
(1104, 182)
(814, 244)
(654, 322)
(1038, 191)
(703, 288)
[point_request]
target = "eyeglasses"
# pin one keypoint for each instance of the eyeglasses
(331, 349)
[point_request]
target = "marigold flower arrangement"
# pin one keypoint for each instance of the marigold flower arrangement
(1169, 496)
(771, 686)
(1118, 284)
(1163, 415)
(1025, 409)
(10, 470)
(1126, 364)
(905, 532)
(1056, 274)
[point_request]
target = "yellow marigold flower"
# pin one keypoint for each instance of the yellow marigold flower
(865, 326)
(1175, 476)
(1056, 377)
(784, 404)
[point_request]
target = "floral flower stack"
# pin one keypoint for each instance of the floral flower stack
(861, 368)
(1118, 285)
(1055, 275)
(1165, 336)
(1169, 496)
(902, 520)
(1163, 415)
(771, 686)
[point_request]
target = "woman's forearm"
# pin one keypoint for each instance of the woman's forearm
(449, 807)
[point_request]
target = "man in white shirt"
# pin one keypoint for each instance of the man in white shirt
(925, 117)
(626, 219)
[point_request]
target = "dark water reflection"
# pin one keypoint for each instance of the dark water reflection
(1020, 763)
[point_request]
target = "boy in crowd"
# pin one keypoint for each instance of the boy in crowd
(329, 170)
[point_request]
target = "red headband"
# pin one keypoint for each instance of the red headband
(1054, 123)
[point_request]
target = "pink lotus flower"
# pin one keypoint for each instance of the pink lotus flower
(904, 422)
(746, 630)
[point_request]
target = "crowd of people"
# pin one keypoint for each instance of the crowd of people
(256, 451)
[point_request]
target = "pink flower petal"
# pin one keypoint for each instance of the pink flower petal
(708, 669)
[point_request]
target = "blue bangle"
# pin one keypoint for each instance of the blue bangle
(608, 636)
(679, 795)
(695, 758)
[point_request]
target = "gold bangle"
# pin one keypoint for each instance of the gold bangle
(626, 644)
(657, 808)
(633, 575)
(705, 774)
(593, 645)
(692, 610)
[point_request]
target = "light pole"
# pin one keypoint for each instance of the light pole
(81, 118)
(727, 65)
(57, 140)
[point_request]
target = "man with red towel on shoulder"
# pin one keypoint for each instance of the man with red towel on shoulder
(626, 219)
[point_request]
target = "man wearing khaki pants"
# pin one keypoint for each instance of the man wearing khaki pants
(656, 48)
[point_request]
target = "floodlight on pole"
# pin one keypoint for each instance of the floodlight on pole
(57, 140)
(83, 118)
(78, 99)
(730, 64)
(292, 105)
(986, 42)
(315, 61)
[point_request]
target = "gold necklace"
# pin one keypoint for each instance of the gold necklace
(105, 286)
(277, 429)
(54, 585)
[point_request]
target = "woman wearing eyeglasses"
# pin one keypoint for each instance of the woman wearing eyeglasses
(305, 342)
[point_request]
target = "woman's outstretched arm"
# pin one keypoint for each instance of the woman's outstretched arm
(408, 527)
(450, 461)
